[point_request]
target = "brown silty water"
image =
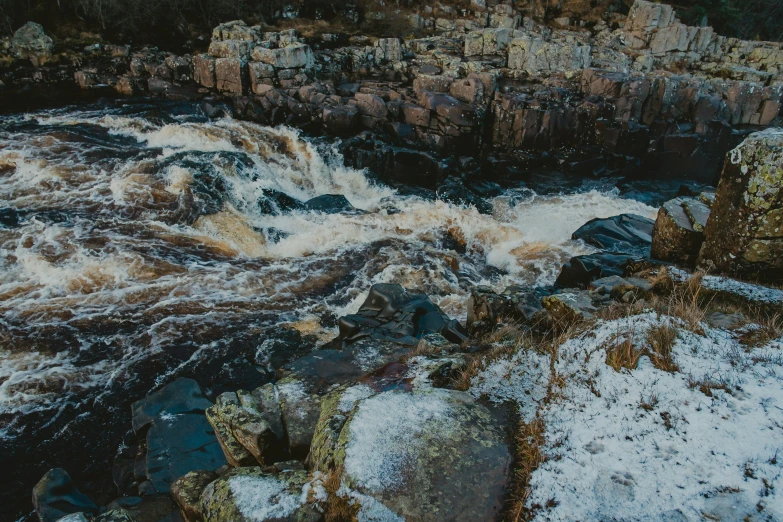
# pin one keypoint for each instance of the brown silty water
(140, 244)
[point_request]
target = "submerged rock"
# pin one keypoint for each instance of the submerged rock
(626, 233)
(56, 496)
(181, 396)
(330, 204)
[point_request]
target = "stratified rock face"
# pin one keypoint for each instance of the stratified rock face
(679, 230)
(425, 455)
(31, 43)
(252, 495)
(56, 496)
(744, 234)
(536, 55)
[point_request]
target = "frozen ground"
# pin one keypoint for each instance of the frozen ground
(701, 443)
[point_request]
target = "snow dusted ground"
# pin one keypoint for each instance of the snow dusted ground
(756, 293)
(645, 444)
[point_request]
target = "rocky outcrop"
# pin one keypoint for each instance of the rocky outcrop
(744, 232)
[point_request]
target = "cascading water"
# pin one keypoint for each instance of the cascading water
(141, 243)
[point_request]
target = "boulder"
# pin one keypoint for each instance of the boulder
(31, 43)
(388, 50)
(236, 30)
(330, 204)
(744, 233)
(371, 108)
(240, 422)
(450, 108)
(581, 270)
(392, 313)
(424, 455)
(536, 55)
(342, 119)
(626, 233)
(568, 307)
(230, 75)
(487, 41)
(151, 508)
(295, 56)
(186, 492)
(230, 49)
(432, 82)
(679, 231)
(253, 495)
(56, 496)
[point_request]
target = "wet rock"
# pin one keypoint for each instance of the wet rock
(330, 204)
(56, 496)
(581, 270)
(626, 233)
(342, 119)
(156, 508)
(679, 231)
(568, 307)
(9, 218)
(115, 515)
(433, 452)
(744, 234)
(31, 43)
(242, 430)
(454, 191)
(275, 203)
(181, 396)
(252, 495)
(186, 492)
(177, 444)
(392, 313)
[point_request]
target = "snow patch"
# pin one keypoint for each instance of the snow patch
(750, 291)
(262, 498)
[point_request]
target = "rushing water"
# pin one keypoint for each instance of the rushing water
(141, 243)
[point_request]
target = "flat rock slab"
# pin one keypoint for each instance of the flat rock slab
(181, 396)
(177, 444)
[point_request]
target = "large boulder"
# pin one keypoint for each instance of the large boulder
(253, 495)
(388, 50)
(31, 43)
(56, 496)
(626, 233)
(424, 455)
(679, 230)
(744, 234)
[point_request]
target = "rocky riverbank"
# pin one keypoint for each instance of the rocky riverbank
(377, 424)
(384, 406)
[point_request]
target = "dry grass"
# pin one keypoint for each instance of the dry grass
(706, 386)
(770, 328)
(623, 354)
(337, 508)
(529, 441)
(660, 339)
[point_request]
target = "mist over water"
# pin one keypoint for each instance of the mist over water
(141, 243)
